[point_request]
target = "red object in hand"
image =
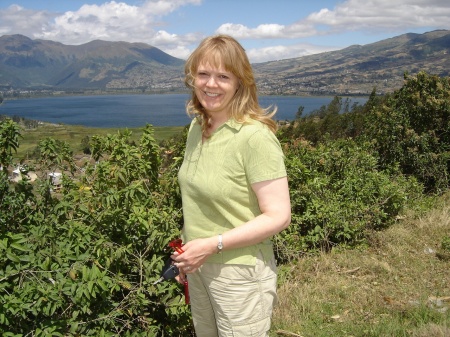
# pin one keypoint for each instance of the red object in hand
(176, 245)
(187, 299)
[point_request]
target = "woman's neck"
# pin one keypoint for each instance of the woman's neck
(214, 122)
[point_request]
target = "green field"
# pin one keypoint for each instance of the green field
(73, 135)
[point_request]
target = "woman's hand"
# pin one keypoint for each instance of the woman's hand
(194, 255)
(181, 278)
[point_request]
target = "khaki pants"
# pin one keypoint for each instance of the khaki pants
(233, 300)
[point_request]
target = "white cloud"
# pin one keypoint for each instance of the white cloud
(112, 21)
(352, 15)
(383, 15)
(257, 55)
(109, 21)
(18, 20)
(267, 31)
(263, 31)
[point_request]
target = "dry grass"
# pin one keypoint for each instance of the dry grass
(398, 286)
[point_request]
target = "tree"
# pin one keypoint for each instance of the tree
(9, 141)
(300, 111)
(411, 127)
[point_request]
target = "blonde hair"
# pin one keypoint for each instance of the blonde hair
(226, 51)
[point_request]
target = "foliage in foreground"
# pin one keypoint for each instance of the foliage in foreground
(353, 172)
(411, 128)
(338, 196)
(408, 129)
(81, 260)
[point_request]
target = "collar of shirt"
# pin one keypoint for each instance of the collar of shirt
(231, 123)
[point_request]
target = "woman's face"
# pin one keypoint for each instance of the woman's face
(215, 88)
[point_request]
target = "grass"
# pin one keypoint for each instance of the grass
(73, 134)
(398, 286)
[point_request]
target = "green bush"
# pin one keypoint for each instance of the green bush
(411, 129)
(82, 261)
(338, 195)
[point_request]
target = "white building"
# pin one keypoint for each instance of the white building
(55, 178)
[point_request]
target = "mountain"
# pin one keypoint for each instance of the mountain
(358, 69)
(28, 64)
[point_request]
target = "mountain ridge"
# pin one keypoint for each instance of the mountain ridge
(28, 63)
(104, 65)
(357, 69)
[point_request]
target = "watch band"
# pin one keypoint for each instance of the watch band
(220, 244)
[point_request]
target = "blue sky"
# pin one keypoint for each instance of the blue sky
(268, 29)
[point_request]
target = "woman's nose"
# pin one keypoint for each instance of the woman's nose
(211, 81)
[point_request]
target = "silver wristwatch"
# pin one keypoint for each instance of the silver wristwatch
(219, 244)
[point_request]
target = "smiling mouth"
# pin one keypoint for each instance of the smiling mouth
(210, 94)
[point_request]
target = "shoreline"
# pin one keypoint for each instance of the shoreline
(138, 110)
(24, 94)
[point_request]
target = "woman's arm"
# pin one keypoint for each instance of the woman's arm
(275, 206)
(274, 203)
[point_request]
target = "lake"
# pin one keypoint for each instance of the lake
(138, 110)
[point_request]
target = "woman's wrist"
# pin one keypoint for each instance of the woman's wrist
(219, 244)
(214, 243)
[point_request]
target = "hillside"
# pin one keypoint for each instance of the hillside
(357, 69)
(398, 286)
(41, 64)
(26, 63)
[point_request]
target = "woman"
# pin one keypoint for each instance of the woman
(235, 195)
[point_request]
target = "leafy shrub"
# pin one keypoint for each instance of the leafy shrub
(411, 128)
(337, 195)
(9, 141)
(82, 261)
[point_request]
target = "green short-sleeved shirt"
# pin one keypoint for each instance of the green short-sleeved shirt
(215, 181)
